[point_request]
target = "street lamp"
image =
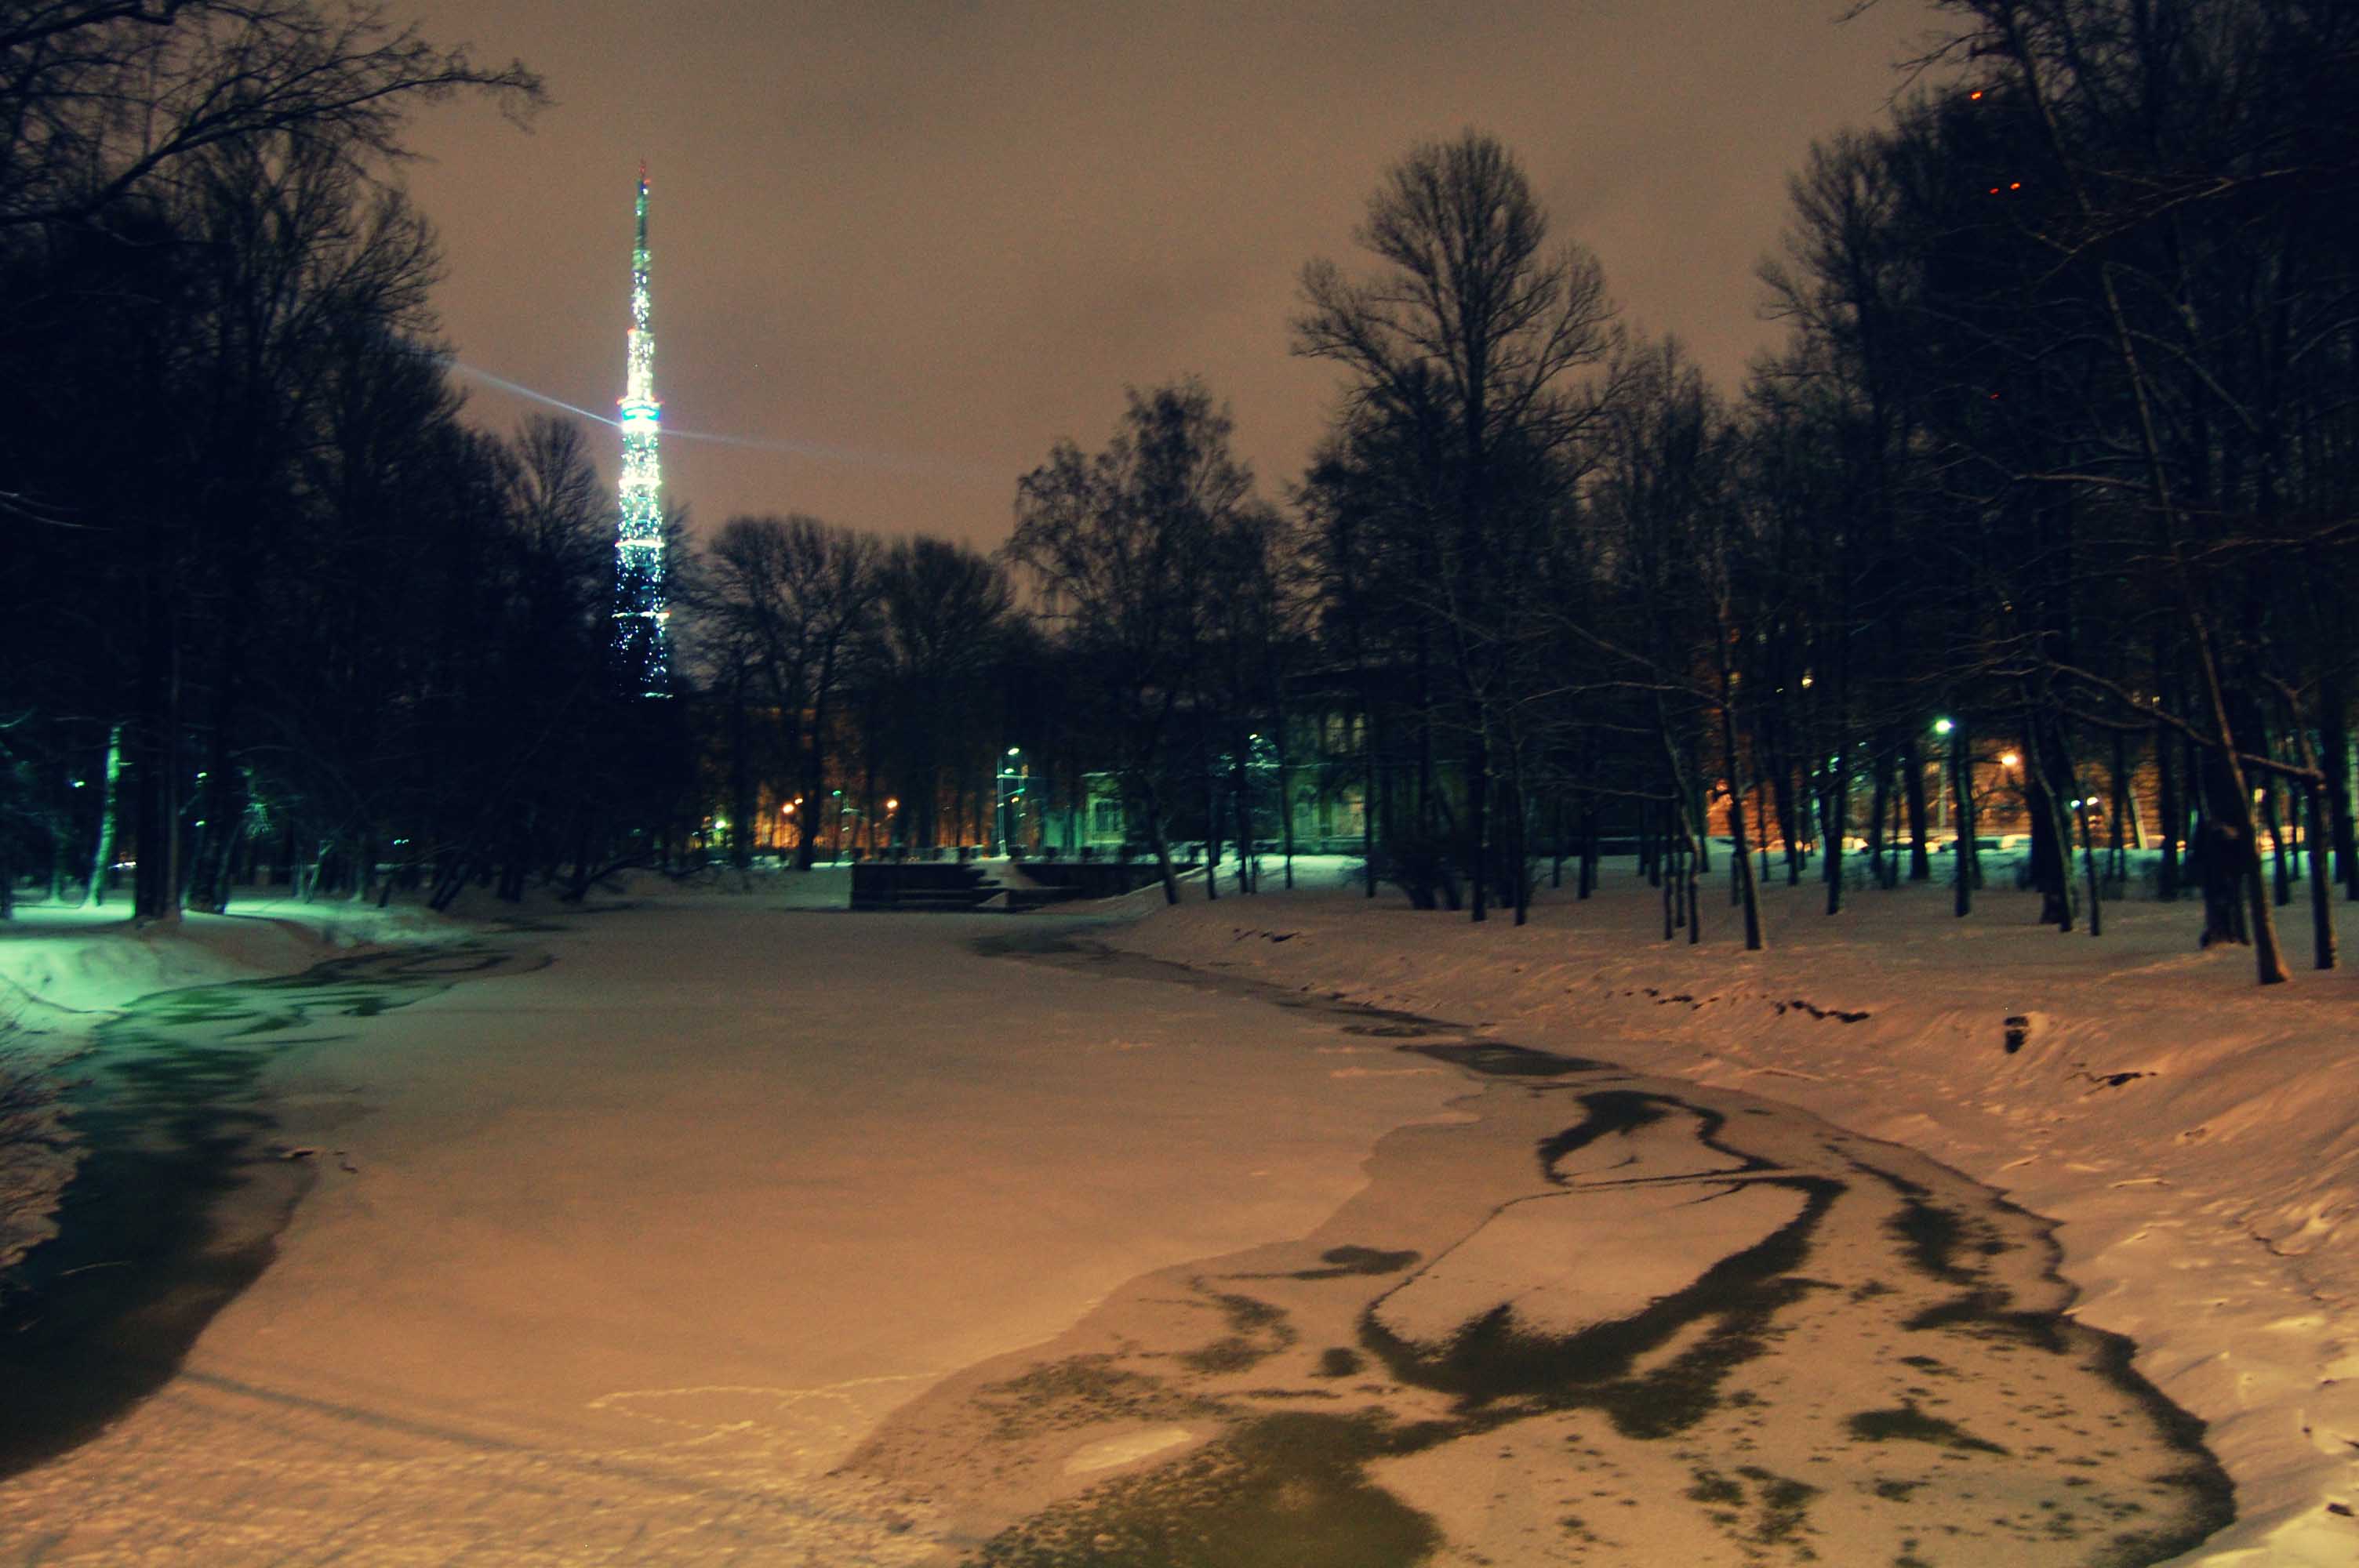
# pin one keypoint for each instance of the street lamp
(1011, 791)
(1943, 727)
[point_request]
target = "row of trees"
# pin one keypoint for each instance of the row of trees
(835, 659)
(271, 601)
(2055, 465)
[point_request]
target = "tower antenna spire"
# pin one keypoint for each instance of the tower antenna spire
(640, 640)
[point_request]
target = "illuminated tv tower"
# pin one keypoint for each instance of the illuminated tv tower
(639, 614)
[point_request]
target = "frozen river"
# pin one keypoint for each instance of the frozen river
(713, 1234)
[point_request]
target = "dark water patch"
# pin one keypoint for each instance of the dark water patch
(176, 1198)
(1343, 1263)
(1986, 1314)
(1496, 1358)
(1339, 1362)
(1906, 1423)
(1343, 1260)
(1497, 1059)
(1934, 1236)
(1620, 1112)
(1257, 1331)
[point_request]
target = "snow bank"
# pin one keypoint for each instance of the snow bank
(2192, 1132)
(61, 966)
(63, 973)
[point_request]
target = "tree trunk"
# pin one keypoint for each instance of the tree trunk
(1478, 825)
(2089, 869)
(1212, 827)
(1912, 770)
(1159, 835)
(1833, 814)
(1788, 825)
(1286, 800)
(1739, 863)
(1588, 877)
(2321, 907)
(2281, 870)
(1880, 798)
(742, 795)
(2334, 760)
(1670, 886)
(1967, 873)
(1556, 838)
(2173, 824)
(1241, 784)
(110, 808)
(156, 886)
(1520, 850)
(1376, 801)
(815, 760)
(2046, 776)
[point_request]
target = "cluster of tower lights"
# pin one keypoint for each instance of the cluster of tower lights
(640, 639)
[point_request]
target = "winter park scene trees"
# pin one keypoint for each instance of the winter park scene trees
(1608, 821)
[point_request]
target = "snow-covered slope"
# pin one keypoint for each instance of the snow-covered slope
(64, 971)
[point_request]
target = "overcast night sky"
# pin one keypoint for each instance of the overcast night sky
(907, 247)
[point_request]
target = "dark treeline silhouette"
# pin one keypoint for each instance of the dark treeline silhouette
(2043, 508)
(2038, 521)
(272, 608)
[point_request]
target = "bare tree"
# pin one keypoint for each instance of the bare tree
(796, 592)
(1121, 547)
(1463, 343)
(103, 98)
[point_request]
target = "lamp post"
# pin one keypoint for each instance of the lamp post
(1011, 791)
(1942, 727)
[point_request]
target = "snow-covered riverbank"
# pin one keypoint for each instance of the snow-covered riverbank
(64, 972)
(611, 1257)
(2194, 1133)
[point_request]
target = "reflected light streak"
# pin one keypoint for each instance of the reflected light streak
(749, 443)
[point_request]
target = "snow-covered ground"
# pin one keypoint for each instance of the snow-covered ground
(614, 1260)
(611, 1261)
(65, 971)
(2195, 1133)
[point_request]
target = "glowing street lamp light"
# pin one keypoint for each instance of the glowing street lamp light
(1944, 728)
